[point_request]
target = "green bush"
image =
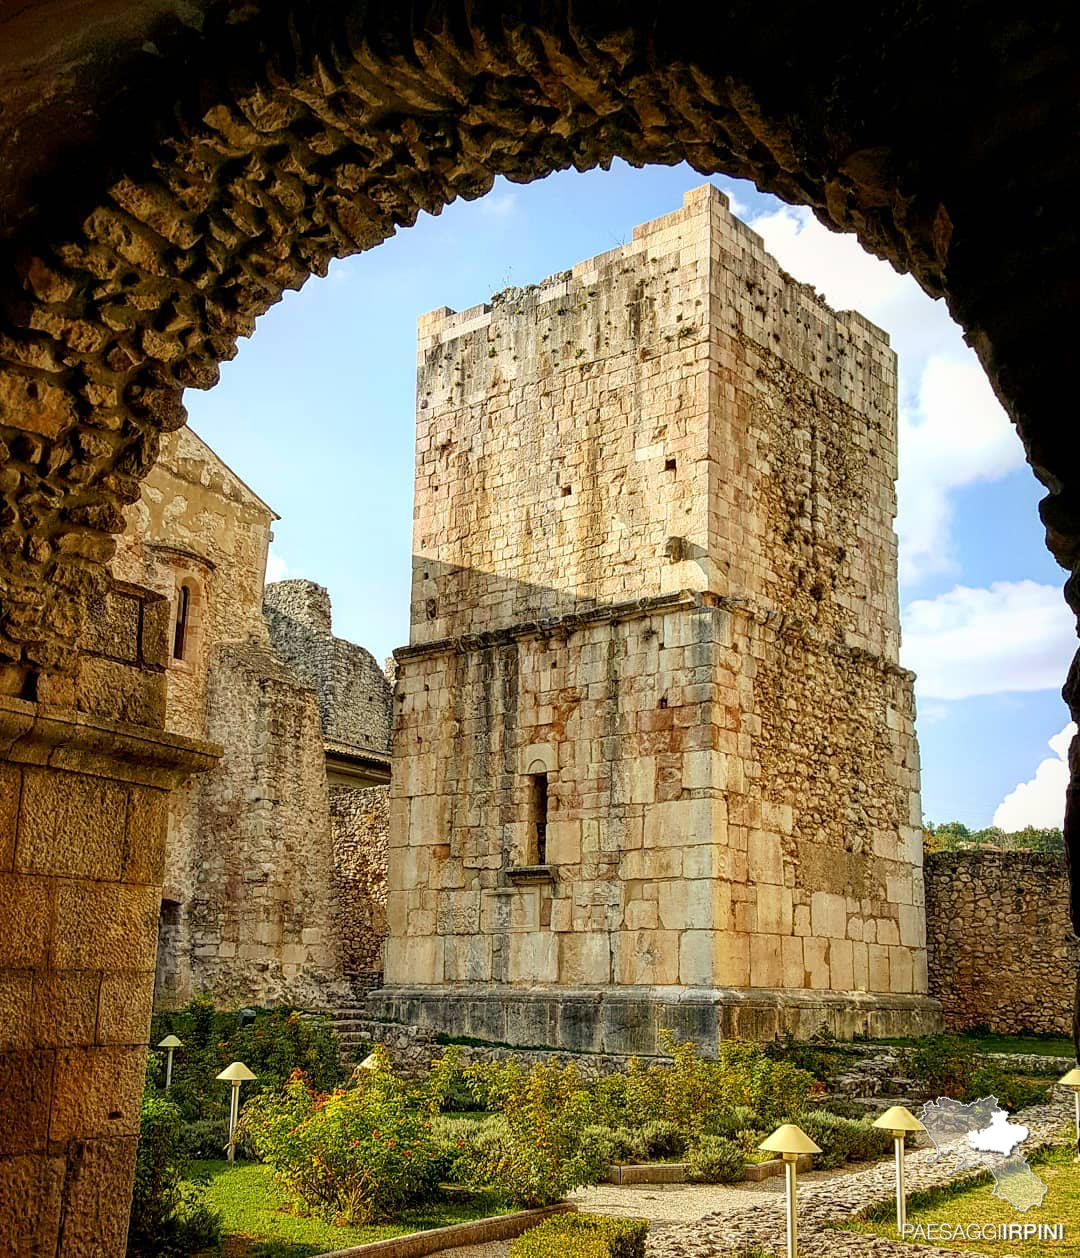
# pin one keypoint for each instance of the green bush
(1013, 1091)
(204, 1139)
(731, 1122)
(694, 1095)
(357, 1155)
(944, 1064)
(583, 1236)
(168, 1216)
(278, 1042)
(715, 1160)
(538, 1155)
(662, 1139)
(842, 1139)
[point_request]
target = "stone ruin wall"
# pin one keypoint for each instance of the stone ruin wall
(354, 693)
(360, 823)
(687, 604)
(251, 911)
(1002, 950)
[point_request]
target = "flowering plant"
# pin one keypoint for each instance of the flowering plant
(355, 1155)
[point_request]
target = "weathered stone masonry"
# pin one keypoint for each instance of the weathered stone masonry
(654, 755)
(257, 862)
(1002, 950)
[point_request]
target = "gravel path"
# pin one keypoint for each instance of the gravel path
(712, 1220)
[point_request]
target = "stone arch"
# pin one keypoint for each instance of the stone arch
(174, 171)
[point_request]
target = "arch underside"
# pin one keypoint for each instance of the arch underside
(177, 169)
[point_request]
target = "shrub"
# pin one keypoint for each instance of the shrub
(715, 1160)
(662, 1139)
(944, 1064)
(356, 1156)
(1013, 1091)
(694, 1095)
(168, 1216)
(731, 1122)
(204, 1139)
(538, 1155)
(842, 1139)
(584, 1236)
(278, 1042)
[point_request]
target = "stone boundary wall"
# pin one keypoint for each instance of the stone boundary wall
(412, 1049)
(1002, 950)
(360, 821)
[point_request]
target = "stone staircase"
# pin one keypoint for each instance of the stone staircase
(349, 1024)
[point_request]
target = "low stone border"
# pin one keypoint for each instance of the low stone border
(756, 1171)
(500, 1227)
(625, 1173)
(647, 1173)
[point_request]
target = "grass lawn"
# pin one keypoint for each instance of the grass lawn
(1051, 1046)
(975, 1204)
(260, 1221)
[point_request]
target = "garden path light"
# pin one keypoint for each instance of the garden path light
(169, 1043)
(236, 1074)
(790, 1141)
(899, 1121)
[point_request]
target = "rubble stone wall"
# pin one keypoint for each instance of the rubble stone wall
(249, 864)
(1002, 950)
(360, 823)
(685, 619)
(354, 694)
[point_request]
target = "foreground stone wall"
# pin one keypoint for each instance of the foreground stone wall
(360, 823)
(84, 782)
(1002, 950)
(681, 627)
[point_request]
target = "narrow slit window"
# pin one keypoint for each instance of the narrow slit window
(183, 608)
(539, 811)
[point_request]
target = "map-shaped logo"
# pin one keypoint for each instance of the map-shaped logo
(979, 1135)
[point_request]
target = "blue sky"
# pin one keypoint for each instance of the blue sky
(316, 414)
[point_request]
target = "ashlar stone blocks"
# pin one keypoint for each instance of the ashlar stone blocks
(651, 715)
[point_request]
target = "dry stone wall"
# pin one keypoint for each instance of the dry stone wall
(252, 882)
(354, 694)
(1002, 950)
(360, 823)
(681, 625)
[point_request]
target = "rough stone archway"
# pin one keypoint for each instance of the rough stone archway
(170, 170)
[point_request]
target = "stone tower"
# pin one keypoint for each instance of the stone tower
(654, 756)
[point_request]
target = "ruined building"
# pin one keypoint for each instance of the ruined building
(265, 851)
(654, 756)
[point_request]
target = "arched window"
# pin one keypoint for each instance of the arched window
(183, 611)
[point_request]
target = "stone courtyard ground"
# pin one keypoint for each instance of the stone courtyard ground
(713, 1221)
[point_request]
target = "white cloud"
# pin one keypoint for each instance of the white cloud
(276, 567)
(498, 204)
(931, 713)
(1014, 636)
(955, 435)
(1040, 801)
(953, 430)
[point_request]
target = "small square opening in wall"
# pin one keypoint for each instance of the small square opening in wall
(670, 465)
(565, 490)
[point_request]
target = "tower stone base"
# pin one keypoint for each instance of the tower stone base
(629, 1020)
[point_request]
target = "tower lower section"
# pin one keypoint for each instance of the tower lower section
(629, 1020)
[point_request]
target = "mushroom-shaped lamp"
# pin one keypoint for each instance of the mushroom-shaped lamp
(169, 1043)
(236, 1074)
(790, 1141)
(899, 1121)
